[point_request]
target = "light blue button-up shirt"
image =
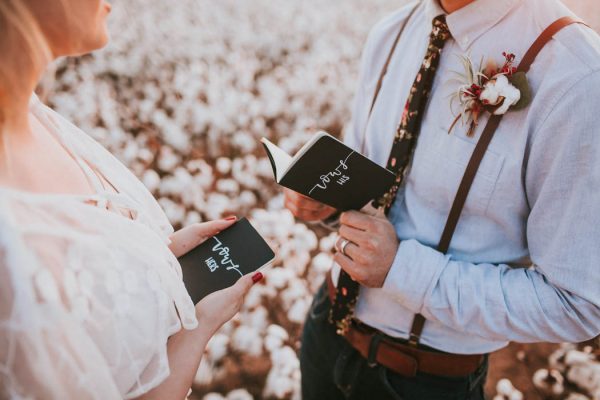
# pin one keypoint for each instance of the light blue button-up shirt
(524, 263)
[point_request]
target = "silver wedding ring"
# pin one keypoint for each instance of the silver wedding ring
(343, 246)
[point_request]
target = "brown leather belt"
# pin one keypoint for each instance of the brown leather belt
(402, 358)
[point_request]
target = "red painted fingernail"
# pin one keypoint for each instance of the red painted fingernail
(257, 277)
(231, 218)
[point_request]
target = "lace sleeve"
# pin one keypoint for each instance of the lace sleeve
(44, 352)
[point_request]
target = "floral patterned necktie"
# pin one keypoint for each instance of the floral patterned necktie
(407, 133)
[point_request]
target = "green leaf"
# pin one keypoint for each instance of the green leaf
(519, 80)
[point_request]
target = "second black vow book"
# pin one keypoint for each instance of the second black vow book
(222, 259)
(328, 171)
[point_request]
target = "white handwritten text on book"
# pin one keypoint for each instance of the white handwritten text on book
(332, 175)
(226, 261)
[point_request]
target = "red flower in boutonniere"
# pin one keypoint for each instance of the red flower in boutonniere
(491, 88)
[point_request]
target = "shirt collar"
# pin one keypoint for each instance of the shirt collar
(470, 22)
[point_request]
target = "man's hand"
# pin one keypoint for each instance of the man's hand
(371, 249)
(306, 208)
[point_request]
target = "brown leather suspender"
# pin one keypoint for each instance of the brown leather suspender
(478, 152)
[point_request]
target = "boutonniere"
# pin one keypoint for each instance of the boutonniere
(489, 88)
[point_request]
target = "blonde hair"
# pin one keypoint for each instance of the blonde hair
(23, 48)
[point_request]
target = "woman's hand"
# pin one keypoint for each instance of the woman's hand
(306, 208)
(219, 307)
(191, 236)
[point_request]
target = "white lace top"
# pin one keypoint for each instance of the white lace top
(89, 290)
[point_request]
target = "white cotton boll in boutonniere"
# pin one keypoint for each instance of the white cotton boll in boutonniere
(501, 93)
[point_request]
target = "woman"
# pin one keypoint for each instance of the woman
(92, 304)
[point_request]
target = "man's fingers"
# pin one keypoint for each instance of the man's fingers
(353, 269)
(353, 234)
(356, 220)
(354, 252)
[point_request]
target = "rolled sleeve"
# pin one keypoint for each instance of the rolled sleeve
(413, 273)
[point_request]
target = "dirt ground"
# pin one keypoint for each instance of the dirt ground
(518, 363)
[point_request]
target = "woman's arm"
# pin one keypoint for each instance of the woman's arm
(185, 348)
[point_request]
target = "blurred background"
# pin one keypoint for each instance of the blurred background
(182, 96)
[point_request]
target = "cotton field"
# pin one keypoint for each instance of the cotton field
(182, 96)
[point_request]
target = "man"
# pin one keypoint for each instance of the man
(522, 264)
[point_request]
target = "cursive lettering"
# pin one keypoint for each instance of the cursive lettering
(326, 178)
(226, 260)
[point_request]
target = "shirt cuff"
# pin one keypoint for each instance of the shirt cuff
(414, 272)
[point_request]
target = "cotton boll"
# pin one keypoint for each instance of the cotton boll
(283, 379)
(257, 319)
(217, 347)
(577, 396)
(278, 277)
(275, 203)
(322, 262)
(192, 217)
(298, 311)
(227, 328)
(296, 290)
(278, 386)
(239, 394)
(504, 387)
(247, 339)
(285, 360)
(130, 152)
(204, 375)
(145, 155)
(577, 357)
(306, 240)
(297, 262)
(228, 186)
(277, 331)
(550, 382)
(151, 180)
(223, 165)
(264, 168)
(213, 396)
(253, 298)
(216, 205)
(167, 160)
(245, 142)
(276, 336)
(327, 243)
(585, 376)
(247, 199)
(175, 212)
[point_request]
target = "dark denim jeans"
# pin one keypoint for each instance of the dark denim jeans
(332, 369)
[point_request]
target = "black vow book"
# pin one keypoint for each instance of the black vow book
(221, 260)
(328, 171)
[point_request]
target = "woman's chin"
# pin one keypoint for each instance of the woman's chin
(97, 43)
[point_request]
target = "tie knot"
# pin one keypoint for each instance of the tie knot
(440, 30)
